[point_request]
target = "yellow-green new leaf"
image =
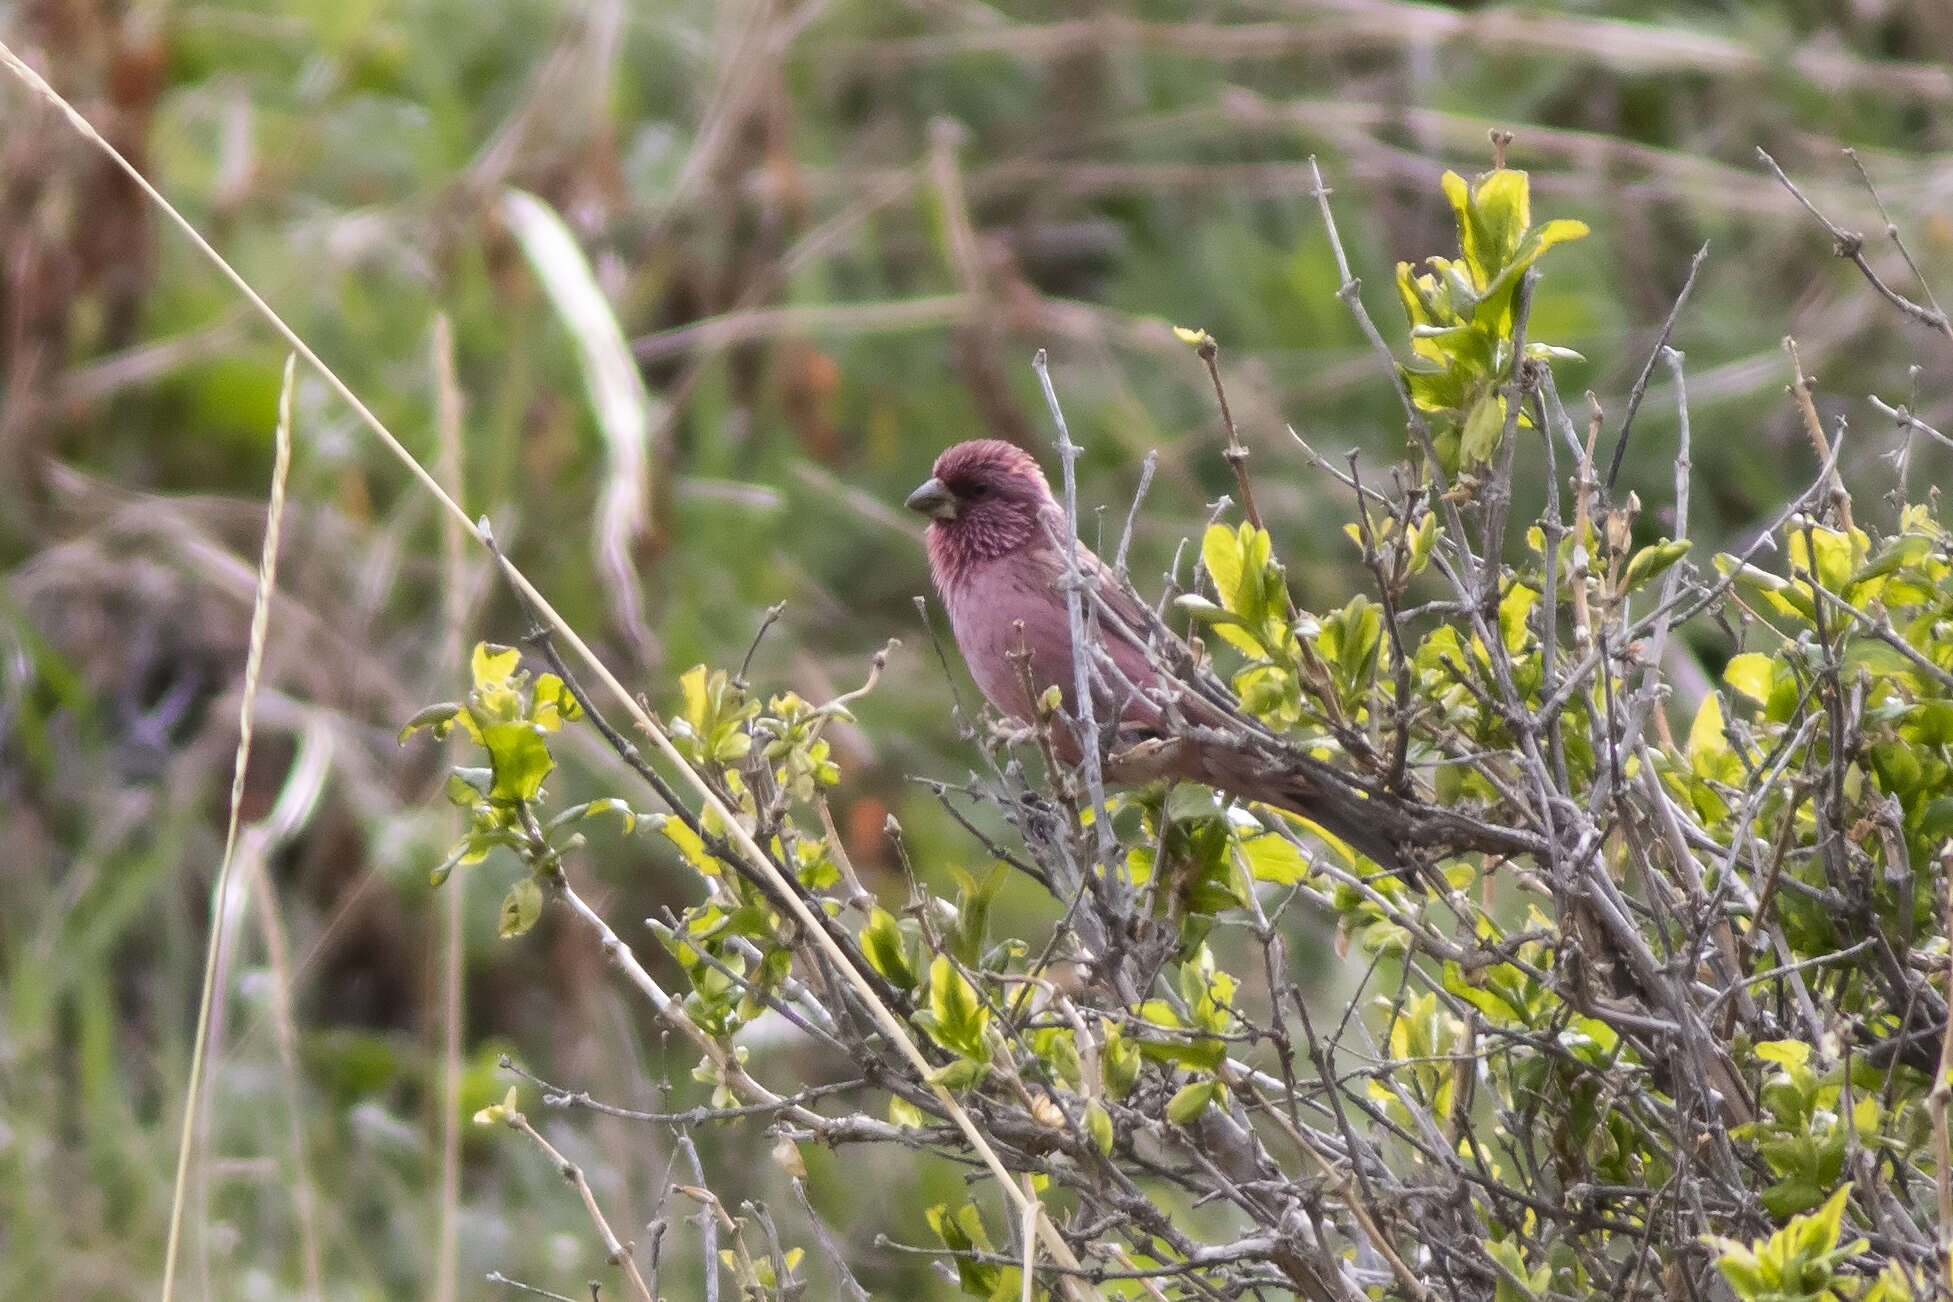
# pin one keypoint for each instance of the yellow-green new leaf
(519, 757)
(1185, 1107)
(959, 1016)
(883, 946)
(520, 908)
(1482, 430)
(1651, 561)
(438, 717)
(1220, 552)
(1098, 1124)
(491, 666)
(1751, 673)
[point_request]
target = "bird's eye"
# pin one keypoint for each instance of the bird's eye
(979, 491)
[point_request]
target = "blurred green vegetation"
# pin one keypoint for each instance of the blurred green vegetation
(834, 234)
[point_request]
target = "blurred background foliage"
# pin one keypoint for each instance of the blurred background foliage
(832, 233)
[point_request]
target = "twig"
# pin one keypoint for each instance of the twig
(1881, 628)
(1075, 581)
(1347, 1193)
(557, 1096)
(1850, 245)
(1350, 290)
(1146, 469)
(1351, 293)
(1936, 1103)
(835, 1254)
(1497, 492)
(1800, 388)
(1787, 969)
(1552, 531)
(772, 616)
(1320, 462)
(1209, 351)
(1388, 591)
(617, 1253)
(1654, 355)
(1892, 230)
(497, 1277)
(1650, 689)
(1904, 416)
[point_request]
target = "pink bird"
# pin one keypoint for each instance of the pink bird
(997, 555)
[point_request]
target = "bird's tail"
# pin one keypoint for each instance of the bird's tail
(1401, 834)
(1364, 823)
(1368, 823)
(1397, 832)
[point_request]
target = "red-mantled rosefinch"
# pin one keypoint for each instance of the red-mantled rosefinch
(997, 553)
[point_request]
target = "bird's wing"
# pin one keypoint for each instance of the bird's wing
(1174, 670)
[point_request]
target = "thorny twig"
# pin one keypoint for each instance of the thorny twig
(1654, 355)
(1850, 245)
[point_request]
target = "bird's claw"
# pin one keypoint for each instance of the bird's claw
(1012, 733)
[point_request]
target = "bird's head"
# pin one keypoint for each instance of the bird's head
(984, 499)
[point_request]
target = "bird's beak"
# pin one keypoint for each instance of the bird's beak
(933, 499)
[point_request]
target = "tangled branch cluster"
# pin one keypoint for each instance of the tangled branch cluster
(1663, 1016)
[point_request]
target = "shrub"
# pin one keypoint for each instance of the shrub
(1688, 1034)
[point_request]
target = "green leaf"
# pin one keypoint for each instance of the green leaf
(883, 945)
(467, 787)
(520, 908)
(1275, 859)
(691, 845)
(1785, 1053)
(1507, 1253)
(963, 1233)
(1651, 561)
(1057, 1048)
(1838, 553)
(1482, 430)
(1119, 1062)
(443, 870)
(1186, 1105)
(1739, 1266)
(1098, 1124)
(1239, 563)
(1514, 607)
(1220, 552)
(712, 715)
(958, 1017)
(492, 666)
(438, 717)
(1422, 539)
(1709, 753)
(1463, 291)
(1502, 204)
(555, 705)
(1418, 312)
(519, 757)
(1788, 1197)
(595, 809)
(1817, 1233)
(1751, 673)
(1561, 230)
(959, 1074)
(973, 899)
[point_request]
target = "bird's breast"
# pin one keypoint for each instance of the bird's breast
(1010, 624)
